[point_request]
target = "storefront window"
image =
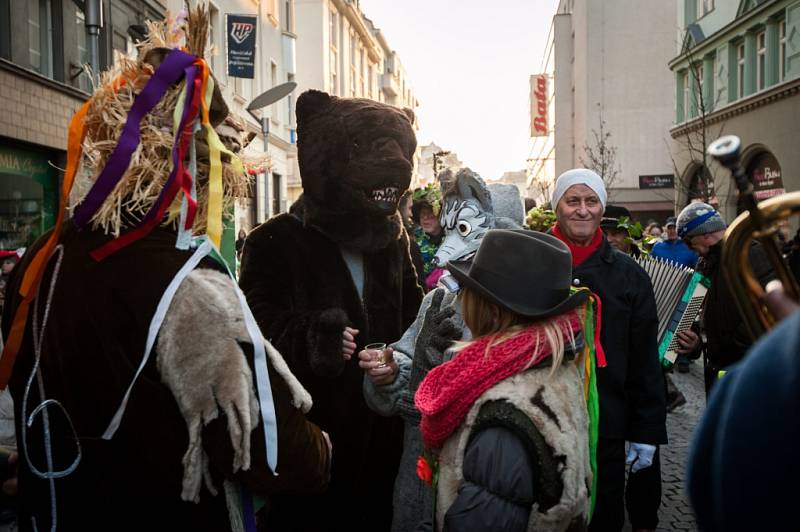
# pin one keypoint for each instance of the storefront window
(765, 173)
(27, 197)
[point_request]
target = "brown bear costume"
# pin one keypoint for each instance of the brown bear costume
(356, 159)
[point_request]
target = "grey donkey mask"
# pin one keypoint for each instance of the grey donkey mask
(470, 209)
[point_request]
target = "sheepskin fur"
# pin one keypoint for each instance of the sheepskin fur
(200, 360)
(568, 437)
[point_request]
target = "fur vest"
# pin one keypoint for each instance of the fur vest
(556, 407)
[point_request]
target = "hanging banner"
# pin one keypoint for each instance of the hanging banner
(241, 40)
(538, 98)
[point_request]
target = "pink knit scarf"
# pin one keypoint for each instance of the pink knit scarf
(448, 391)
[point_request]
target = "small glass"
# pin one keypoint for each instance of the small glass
(377, 349)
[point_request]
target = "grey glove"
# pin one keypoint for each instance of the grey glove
(436, 334)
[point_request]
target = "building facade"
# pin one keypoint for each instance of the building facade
(737, 71)
(43, 47)
(613, 98)
(341, 52)
(431, 160)
(274, 65)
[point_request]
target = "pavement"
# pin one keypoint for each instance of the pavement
(675, 512)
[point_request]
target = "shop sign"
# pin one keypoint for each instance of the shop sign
(657, 181)
(765, 173)
(538, 100)
(24, 163)
(241, 32)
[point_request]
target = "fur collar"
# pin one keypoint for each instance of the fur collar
(363, 231)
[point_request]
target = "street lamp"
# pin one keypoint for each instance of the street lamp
(266, 99)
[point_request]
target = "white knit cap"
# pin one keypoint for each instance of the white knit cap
(578, 176)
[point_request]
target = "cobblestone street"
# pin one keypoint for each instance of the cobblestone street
(675, 512)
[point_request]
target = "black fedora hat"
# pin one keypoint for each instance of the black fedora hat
(526, 272)
(612, 214)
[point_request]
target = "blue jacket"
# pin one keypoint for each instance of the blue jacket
(676, 251)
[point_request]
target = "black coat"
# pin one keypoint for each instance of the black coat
(727, 339)
(631, 387)
(302, 295)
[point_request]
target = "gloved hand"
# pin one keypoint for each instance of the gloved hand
(640, 455)
(434, 337)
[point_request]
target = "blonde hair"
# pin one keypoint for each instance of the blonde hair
(484, 318)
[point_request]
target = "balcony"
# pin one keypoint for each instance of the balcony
(288, 43)
(389, 85)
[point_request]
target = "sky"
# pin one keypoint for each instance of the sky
(469, 62)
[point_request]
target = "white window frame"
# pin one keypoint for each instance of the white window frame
(686, 101)
(740, 70)
(782, 50)
(761, 60)
(704, 7)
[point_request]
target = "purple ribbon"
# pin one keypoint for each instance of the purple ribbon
(168, 73)
(190, 73)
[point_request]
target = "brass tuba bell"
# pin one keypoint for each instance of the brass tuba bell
(759, 221)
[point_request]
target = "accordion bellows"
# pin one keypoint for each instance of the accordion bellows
(679, 293)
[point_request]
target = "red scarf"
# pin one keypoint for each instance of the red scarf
(448, 391)
(579, 253)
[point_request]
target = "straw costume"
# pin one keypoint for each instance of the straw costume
(340, 258)
(145, 396)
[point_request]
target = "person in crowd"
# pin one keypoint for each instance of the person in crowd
(507, 414)
(631, 386)
(653, 230)
(240, 243)
(615, 225)
(727, 340)
(673, 248)
(474, 208)
(177, 443)
(428, 233)
(404, 208)
(330, 277)
(530, 203)
(652, 235)
(743, 459)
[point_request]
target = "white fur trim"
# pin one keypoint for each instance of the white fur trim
(563, 393)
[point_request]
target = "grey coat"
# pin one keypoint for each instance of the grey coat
(413, 499)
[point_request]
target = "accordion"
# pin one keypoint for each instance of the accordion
(679, 293)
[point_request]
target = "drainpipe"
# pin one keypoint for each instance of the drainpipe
(94, 21)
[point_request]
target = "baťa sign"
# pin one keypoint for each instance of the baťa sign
(241, 31)
(656, 181)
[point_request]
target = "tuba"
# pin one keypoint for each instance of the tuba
(760, 222)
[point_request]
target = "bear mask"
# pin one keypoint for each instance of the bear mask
(356, 157)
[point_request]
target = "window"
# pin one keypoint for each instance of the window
(334, 58)
(273, 80)
(334, 27)
(761, 59)
(781, 50)
(353, 58)
(362, 63)
(685, 96)
(288, 19)
(740, 70)
(40, 36)
(704, 7)
(84, 82)
(699, 73)
(276, 194)
(289, 104)
(370, 73)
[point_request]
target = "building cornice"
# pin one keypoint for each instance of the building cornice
(63, 88)
(710, 42)
(744, 105)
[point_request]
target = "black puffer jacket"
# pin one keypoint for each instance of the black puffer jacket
(727, 339)
(631, 386)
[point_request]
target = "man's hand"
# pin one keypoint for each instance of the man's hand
(640, 456)
(349, 342)
(778, 303)
(380, 374)
(688, 341)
